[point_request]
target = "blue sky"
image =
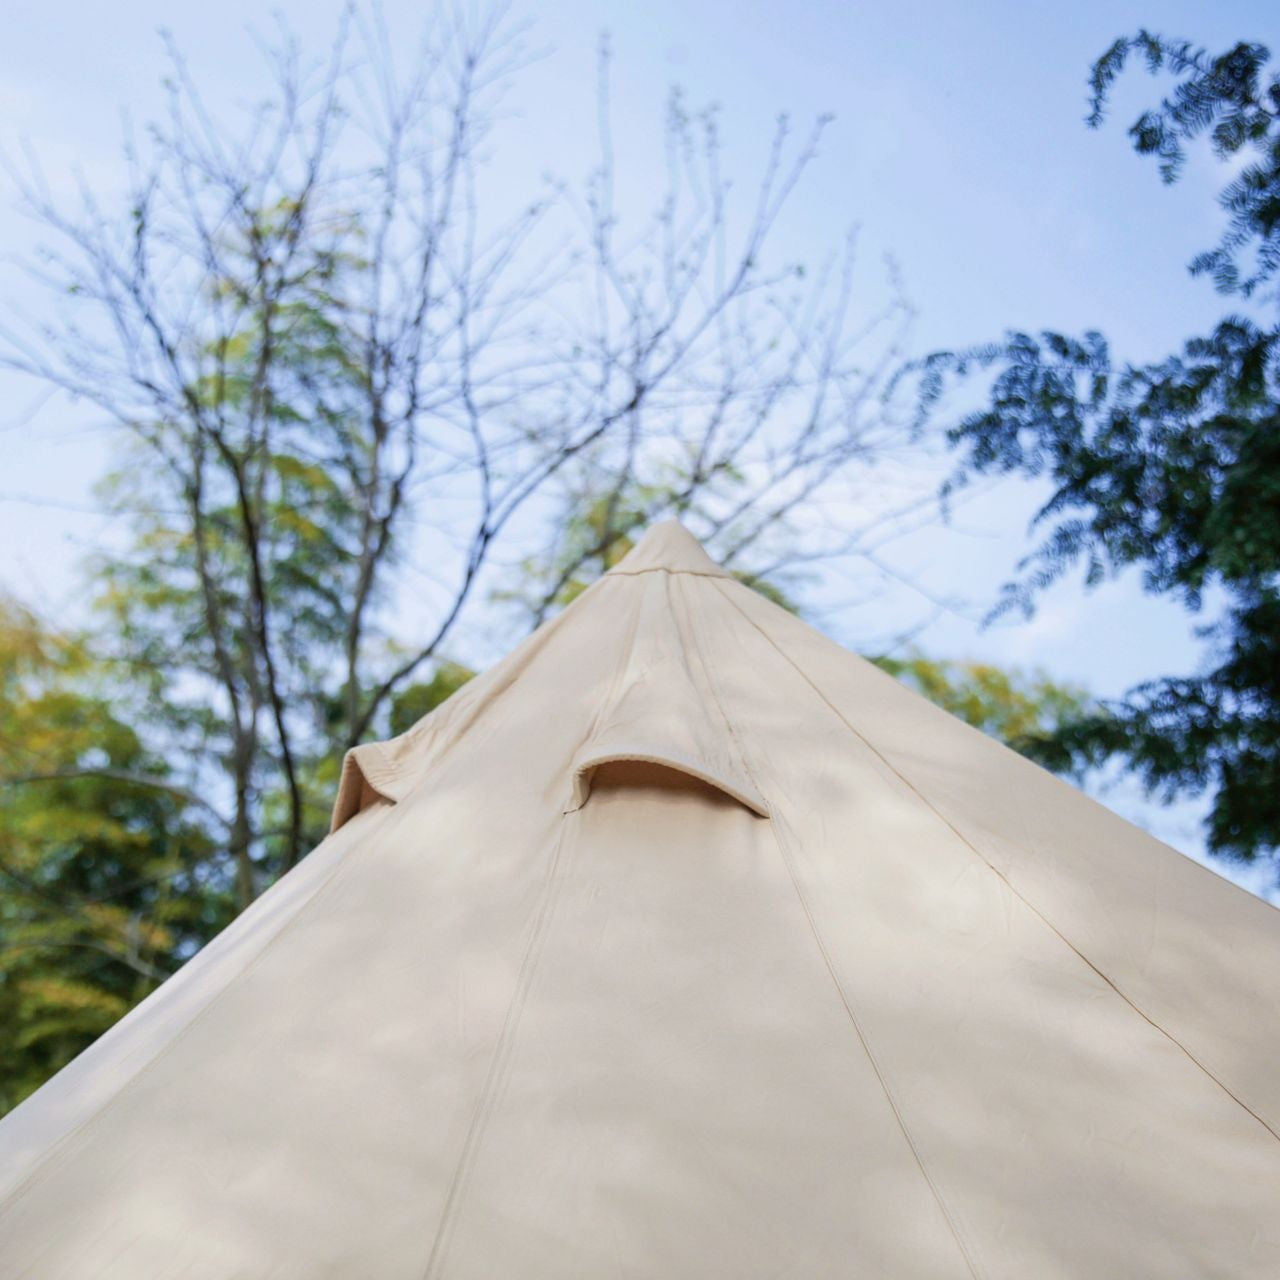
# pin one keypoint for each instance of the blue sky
(958, 145)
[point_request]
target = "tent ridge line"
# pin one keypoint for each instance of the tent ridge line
(833, 970)
(995, 870)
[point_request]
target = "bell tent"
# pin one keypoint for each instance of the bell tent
(684, 944)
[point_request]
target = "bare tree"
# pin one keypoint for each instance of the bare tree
(314, 340)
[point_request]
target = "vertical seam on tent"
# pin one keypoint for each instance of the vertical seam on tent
(991, 866)
(607, 703)
(687, 628)
(833, 971)
(57, 1157)
(622, 669)
(837, 981)
(499, 1063)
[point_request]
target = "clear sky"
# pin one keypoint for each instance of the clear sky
(958, 145)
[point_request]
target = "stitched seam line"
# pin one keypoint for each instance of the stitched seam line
(621, 672)
(500, 1062)
(833, 972)
(687, 627)
(986, 862)
(661, 568)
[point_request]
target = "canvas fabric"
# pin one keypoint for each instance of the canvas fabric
(685, 944)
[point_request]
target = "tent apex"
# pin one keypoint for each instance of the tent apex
(668, 546)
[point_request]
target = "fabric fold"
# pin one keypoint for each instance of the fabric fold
(367, 776)
(660, 712)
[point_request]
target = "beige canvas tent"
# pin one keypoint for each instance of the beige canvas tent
(685, 944)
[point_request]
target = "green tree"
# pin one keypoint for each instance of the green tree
(1171, 467)
(104, 889)
(341, 380)
(253, 572)
(340, 384)
(1026, 711)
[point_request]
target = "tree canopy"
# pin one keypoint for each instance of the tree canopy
(107, 882)
(342, 379)
(1170, 467)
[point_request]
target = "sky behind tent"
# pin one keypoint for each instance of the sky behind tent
(958, 146)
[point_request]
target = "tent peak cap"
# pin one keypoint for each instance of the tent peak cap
(668, 547)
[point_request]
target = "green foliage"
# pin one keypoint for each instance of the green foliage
(1171, 467)
(597, 531)
(1025, 711)
(100, 898)
(261, 514)
(1230, 100)
(420, 699)
(327, 353)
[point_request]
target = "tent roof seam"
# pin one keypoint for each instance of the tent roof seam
(973, 848)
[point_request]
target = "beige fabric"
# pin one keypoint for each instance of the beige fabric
(683, 943)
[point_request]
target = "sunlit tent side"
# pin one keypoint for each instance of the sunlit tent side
(683, 943)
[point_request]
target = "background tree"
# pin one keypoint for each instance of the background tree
(104, 889)
(1026, 711)
(1170, 467)
(338, 374)
(344, 385)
